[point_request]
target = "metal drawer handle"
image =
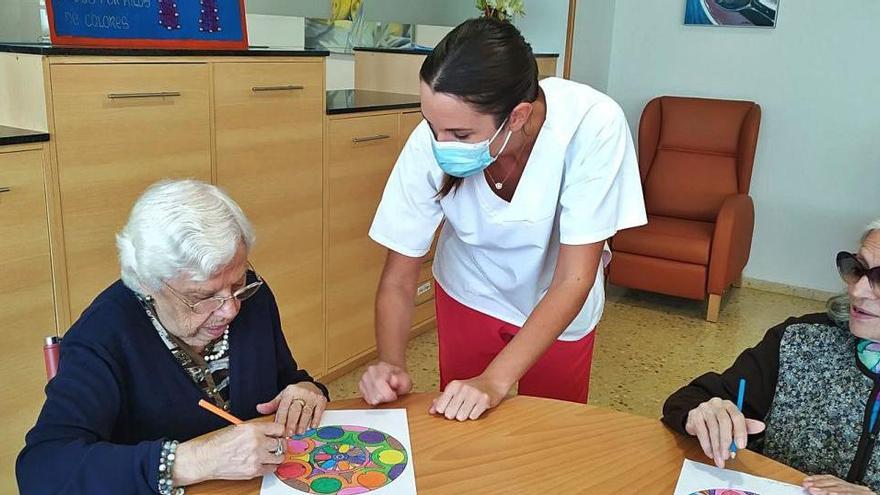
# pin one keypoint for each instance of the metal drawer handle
(424, 288)
(5, 189)
(123, 96)
(257, 89)
(377, 137)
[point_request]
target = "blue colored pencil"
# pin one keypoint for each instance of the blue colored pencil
(739, 405)
(874, 412)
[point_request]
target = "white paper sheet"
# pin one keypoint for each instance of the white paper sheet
(391, 422)
(696, 477)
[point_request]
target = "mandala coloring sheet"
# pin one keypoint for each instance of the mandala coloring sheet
(700, 479)
(353, 452)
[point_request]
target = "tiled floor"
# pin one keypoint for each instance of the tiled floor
(647, 345)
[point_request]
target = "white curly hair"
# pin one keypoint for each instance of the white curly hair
(180, 227)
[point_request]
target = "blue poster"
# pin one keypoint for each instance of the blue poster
(169, 20)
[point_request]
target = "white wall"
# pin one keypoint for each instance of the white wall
(817, 173)
(593, 35)
(297, 8)
(544, 26)
(427, 35)
(276, 30)
(340, 71)
(432, 12)
(20, 21)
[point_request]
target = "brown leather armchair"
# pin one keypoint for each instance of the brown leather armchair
(695, 162)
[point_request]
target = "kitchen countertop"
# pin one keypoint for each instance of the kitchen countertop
(259, 51)
(344, 101)
(14, 135)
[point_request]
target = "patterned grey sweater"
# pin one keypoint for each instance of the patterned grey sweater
(807, 383)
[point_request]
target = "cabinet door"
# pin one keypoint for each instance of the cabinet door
(269, 124)
(424, 296)
(26, 301)
(362, 153)
(118, 129)
(408, 123)
(547, 67)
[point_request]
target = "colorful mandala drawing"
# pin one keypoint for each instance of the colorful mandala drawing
(723, 491)
(342, 460)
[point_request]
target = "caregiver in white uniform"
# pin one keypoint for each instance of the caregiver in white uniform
(531, 180)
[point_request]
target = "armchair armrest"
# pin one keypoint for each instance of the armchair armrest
(731, 242)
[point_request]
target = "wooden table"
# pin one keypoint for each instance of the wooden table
(529, 445)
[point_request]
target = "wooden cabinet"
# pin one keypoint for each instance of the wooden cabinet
(252, 125)
(423, 315)
(424, 298)
(26, 299)
(256, 127)
(269, 126)
(547, 66)
(117, 129)
(362, 152)
(408, 123)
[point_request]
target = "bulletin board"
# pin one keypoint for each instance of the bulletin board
(187, 24)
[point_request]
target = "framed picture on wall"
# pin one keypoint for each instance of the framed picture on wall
(188, 24)
(743, 13)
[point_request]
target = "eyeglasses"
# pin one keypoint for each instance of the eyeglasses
(211, 304)
(852, 269)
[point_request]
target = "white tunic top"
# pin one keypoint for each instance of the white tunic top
(580, 185)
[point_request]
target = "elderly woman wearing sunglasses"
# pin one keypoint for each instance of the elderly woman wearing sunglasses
(813, 394)
(189, 320)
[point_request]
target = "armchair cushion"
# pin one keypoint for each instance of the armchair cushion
(668, 238)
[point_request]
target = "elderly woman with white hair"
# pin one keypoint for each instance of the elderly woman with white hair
(189, 320)
(812, 399)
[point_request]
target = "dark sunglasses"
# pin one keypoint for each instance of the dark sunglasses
(852, 269)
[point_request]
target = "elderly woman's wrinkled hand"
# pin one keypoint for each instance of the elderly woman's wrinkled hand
(239, 452)
(717, 423)
(298, 407)
(832, 485)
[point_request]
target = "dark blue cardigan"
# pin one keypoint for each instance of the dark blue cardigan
(119, 393)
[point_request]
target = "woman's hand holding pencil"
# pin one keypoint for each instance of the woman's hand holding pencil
(720, 425)
(239, 452)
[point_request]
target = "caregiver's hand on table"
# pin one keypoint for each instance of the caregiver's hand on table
(298, 407)
(239, 452)
(469, 399)
(384, 382)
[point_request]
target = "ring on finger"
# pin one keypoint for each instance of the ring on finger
(279, 448)
(301, 402)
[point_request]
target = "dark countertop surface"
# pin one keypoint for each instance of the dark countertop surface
(420, 51)
(343, 101)
(264, 51)
(14, 135)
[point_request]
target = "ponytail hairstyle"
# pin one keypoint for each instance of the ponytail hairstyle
(486, 63)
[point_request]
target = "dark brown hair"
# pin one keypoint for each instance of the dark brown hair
(484, 62)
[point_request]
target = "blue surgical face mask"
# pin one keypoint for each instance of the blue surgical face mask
(466, 159)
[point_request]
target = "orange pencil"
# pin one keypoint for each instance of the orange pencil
(219, 412)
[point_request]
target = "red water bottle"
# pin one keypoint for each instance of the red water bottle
(51, 354)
